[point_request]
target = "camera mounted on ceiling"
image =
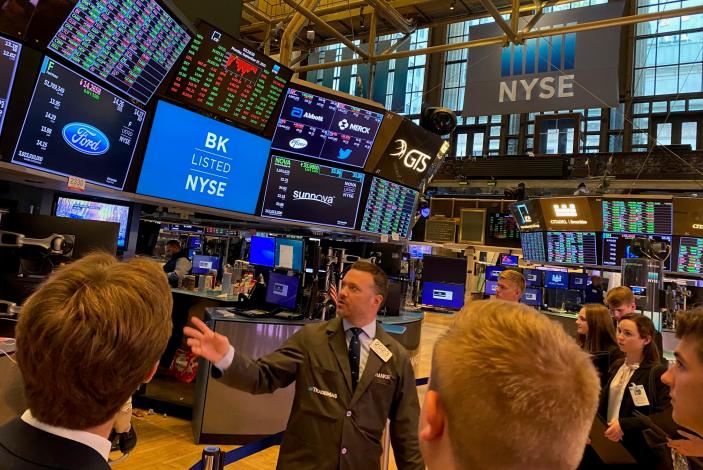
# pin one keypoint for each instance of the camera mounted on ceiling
(441, 121)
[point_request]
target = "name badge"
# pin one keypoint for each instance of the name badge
(381, 351)
(639, 396)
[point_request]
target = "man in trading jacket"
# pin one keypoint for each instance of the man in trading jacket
(350, 378)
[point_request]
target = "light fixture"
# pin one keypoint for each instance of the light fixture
(451, 5)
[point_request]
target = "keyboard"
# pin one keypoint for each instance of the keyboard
(286, 315)
(254, 313)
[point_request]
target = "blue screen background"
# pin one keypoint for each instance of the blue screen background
(261, 251)
(457, 291)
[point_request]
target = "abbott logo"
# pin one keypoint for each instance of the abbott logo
(305, 196)
(564, 210)
(300, 113)
(413, 159)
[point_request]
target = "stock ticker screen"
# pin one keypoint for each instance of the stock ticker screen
(617, 246)
(690, 256)
(9, 56)
(533, 246)
(221, 75)
(319, 127)
(502, 229)
(308, 192)
(74, 127)
(572, 248)
(389, 208)
(637, 216)
(130, 44)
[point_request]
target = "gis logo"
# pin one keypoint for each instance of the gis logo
(413, 159)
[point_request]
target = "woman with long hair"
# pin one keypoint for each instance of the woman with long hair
(595, 331)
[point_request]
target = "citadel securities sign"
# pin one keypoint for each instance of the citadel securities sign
(551, 72)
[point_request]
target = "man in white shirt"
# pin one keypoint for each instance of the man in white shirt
(86, 340)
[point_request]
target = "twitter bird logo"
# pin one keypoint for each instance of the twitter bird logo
(344, 154)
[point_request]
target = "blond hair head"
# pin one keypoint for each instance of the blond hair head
(619, 296)
(514, 277)
(518, 391)
(89, 336)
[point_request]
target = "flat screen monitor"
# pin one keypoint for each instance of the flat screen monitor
(572, 248)
(502, 230)
(440, 294)
(532, 297)
(642, 216)
(617, 246)
(533, 277)
(93, 210)
(490, 288)
(289, 254)
(572, 213)
(688, 216)
(419, 251)
(35, 21)
(195, 242)
(533, 246)
(690, 255)
(556, 279)
(76, 128)
(131, 45)
(528, 215)
(262, 251)
(492, 272)
(309, 192)
(282, 290)
(224, 76)
(202, 264)
(507, 260)
(579, 281)
(317, 125)
(9, 57)
(390, 208)
(444, 269)
(204, 162)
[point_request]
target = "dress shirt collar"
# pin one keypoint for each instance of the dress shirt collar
(369, 329)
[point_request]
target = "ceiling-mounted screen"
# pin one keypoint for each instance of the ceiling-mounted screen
(194, 159)
(528, 215)
(9, 56)
(308, 192)
(94, 210)
(617, 246)
(129, 44)
(688, 216)
(35, 21)
(533, 246)
(572, 248)
(390, 208)
(317, 126)
(580, 214)
(645, 216)
(690, 255)
(502, 230)
(74, 127)
(222, 75)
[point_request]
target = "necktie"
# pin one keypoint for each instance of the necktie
(354, 355)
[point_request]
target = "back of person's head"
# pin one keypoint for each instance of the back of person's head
(601, 332)
(645, 329)
(89, 336)
(514, 277)
(689, 326)
(518, 392)
(619, 296)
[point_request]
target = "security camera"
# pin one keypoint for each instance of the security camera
(310, 35)
(441, 121)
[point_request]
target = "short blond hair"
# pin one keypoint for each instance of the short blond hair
(518, 391)
(89, 336)
(514, 277)
(619, 296)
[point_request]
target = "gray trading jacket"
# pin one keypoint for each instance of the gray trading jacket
(329, 428)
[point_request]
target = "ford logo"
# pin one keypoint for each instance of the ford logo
(85, 138)
(298, 143)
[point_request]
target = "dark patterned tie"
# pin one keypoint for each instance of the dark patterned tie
(354, 355)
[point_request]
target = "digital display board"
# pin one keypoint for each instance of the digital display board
(35, 21)
(315, 126)
(490, 288)
(130, 44)
(9, 56)
(580, 214)
(533, 246)
(93, 210)
(202, 264)
(556, 279)
(282, 290)
(262, 251)
(444, 269)
(688, 217)
(690, 255)
(533, 277)
(579, 281)
(76, 128)
(308, 192)
(616, 246)
(572, 248)
(528, 215)
(493, 272)
(638, 216)
(410, 153)
(532, 297)
(444, 295)
(502, 230)
(289, 254)
(418, 251)
(194, 159)
(390, 208)
(223, 76)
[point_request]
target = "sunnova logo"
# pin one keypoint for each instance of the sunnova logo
(85, 138)
(305, 196)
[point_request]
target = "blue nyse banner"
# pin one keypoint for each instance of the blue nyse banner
(195, 159)
(548, 73)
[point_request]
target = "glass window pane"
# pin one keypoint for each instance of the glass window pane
(514, 124)
(592, 140)
(664, 133)
(695, 104)
(640, 123)
(659, 106)
(689, 133)
(691, 45)
(617, 117)
(461, 145)
(668, 50)
(639, 138)
(615, 143)
(477, 150)
(495, 131)
(678, 105)
(593, 126)
(690, 77)
(645, 52)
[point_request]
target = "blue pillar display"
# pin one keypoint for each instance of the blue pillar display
(400, 80)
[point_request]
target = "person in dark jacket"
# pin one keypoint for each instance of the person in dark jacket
(178, 263)
(596, 335)
(594, 292)
(350, 378)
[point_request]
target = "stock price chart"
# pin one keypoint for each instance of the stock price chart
(637, 216)
(9, 55)
(690, 258)
(572, 248)
(130, 44)
(533, 246)
(389, 209)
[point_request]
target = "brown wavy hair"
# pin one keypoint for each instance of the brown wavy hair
(601, 332)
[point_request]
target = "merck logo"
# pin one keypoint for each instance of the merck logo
(539, 55)
(564, 210)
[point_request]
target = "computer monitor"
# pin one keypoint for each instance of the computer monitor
(533, 277)
(532, 296)
(202, 264)
(261, 251)
(492, 272)
(507, 260)
(289, 254)
(418, 251)
(579, 281)
(282, 290)
(439, 294)
(444, 269)
(491, 288)
(556, 279)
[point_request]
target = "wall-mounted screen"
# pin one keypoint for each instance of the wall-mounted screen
(490, 287)
(502, 230)
(579, 281)
(532, 297)
(690, 255)
(262, 251)
(441, 294)
(648, 216)
(580, 214)
(289, 254)
(528, 215)
(76, 128)
(282, 290)
(492, 272)
(533, 277)
(222, 75)
(9, 56)
(93, 210)
(317, 126)
(688, 216)
(533, 246)
(130, 44)
(390, 208)
(419, 251)
(444, 269)
(35, 21)
(202, 264)
(617, 246)
(204, 162)
(507, 260)
(572, 248)
(308, 192)
(556, 279)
